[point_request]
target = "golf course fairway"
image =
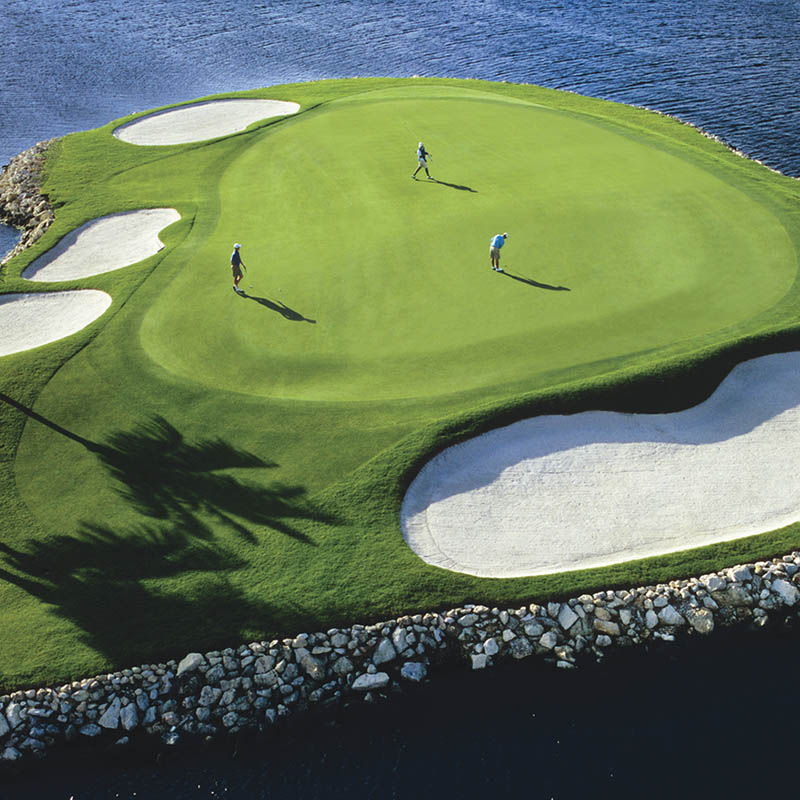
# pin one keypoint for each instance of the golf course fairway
(196, 468)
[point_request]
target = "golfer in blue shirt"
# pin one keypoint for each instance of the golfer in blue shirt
(494, 250)
(422, 159)
(237, 265)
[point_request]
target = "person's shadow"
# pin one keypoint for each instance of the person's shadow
(281, 308)
(534, 283)
(458, 186)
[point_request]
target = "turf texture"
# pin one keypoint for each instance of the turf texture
(198, 468)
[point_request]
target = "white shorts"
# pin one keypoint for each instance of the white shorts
(422, 162)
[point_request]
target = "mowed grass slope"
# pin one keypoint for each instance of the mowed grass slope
(199, 468)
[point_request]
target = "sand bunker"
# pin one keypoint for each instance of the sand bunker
(103, 245)
(559, 493)
(31, 320)
(200, 121)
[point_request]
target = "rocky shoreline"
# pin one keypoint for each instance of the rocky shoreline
(258, 685)
(22, 205)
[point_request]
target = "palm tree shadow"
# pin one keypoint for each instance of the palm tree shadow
(458, 186)
(534, 283)
(164, 477)
(102, 582)
(163, 583)
(281, 308)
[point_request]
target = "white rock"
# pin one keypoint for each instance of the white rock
(110, 718)
(533, 629)
(479, 661)
(414, 671)
(190, 662)
(670, 616)
(14, 714)
(384, 652)
(701, 619)
(566, 617)
(343, 666)
(508, 635)
(4, 726)
(787, 591)
(651, 619)
(91, 730)
(491, 647)
(713, 583)
(603, 640)
(399, 638)
(128, 717)
(548, 640)
(368, 683)
(606, 627)
(520, 648)
(740, 574)
(625, 616)
(11, 754)
(468, 620)
(313, 667)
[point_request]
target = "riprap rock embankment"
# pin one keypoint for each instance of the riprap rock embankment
(255, 685)
(22, 205)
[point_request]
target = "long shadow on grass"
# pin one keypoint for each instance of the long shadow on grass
(281, 308)
(534, 283)
(458, 186)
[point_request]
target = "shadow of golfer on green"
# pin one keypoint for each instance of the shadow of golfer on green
(281, 308)
(534, 283)
(458, 186)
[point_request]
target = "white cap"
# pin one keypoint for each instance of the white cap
(236, 246)
(420, 144)
(505, 236)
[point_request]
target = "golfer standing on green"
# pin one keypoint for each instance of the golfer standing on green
(494, 250)
(422, 160)
(237, 265)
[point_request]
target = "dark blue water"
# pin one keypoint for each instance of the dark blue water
(715, 719)
(716, 715)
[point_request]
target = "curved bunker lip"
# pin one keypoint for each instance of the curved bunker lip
(558, 493)
(31, 320)
(103, 245)
(200, 121)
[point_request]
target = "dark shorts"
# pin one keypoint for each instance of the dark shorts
(237, 271)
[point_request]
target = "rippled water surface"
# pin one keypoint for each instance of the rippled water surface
(731, 66)
(713, 719)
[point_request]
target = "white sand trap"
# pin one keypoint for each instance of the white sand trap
(31, 320)
(200, 121)
(559, 493)
(103, 245)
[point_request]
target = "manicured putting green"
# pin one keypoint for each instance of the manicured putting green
(198, 469)
(388, 279)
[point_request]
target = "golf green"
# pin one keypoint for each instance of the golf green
(632, 245)
(197, 468)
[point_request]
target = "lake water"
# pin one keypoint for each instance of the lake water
(714, 714)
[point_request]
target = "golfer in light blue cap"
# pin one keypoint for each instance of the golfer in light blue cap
(494, 250)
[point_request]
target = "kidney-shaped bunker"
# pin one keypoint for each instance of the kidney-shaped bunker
(103, 245)
(31, 320)
(200, 121)
(558, 493)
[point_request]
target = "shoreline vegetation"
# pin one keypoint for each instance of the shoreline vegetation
(254, 686)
